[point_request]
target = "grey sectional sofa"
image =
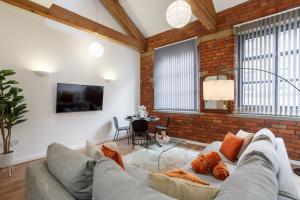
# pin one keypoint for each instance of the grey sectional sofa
(259, 161)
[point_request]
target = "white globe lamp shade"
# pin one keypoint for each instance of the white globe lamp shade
(96, 50)
(179, 14)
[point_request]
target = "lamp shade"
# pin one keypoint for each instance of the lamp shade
(179, 14)
(218, 90)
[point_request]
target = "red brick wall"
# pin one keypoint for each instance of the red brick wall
(214, 55)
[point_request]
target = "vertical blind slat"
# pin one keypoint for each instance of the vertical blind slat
(271, 44)
(174, 74)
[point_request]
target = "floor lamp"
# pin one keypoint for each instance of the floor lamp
(223, 90)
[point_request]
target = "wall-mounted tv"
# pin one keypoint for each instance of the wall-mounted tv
(77, 98)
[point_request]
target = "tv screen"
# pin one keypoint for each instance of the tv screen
(76, 98)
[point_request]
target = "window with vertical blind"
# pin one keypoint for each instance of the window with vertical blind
(176, 77)
(271, 44)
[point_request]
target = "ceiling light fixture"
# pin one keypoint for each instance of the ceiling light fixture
(96, 49)
(179, 14)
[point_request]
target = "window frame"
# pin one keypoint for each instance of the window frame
(241, 58)
(196, 109)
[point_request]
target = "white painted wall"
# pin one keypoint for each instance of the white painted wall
(30, 42)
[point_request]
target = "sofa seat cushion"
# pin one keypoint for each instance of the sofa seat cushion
(113, 183)
(72, 169)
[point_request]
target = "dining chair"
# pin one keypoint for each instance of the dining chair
(118, 129)
(140, 133)
(163, 127)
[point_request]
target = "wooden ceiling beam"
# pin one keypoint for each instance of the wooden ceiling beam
(205, 12)
(67, 17)
(118, 12)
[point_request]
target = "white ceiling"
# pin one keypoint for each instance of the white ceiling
(148, 15)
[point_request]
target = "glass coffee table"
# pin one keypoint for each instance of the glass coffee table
(175, 154)
(167, 147)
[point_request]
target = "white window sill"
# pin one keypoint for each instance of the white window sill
(179, 112)
(283, 118)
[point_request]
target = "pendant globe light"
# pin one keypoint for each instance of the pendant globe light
(96, 49)
(179, 14)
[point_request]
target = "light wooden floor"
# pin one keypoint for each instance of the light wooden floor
(13, 188)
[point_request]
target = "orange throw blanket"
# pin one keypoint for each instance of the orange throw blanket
(205, 163)
(220, 171)
(178, 173)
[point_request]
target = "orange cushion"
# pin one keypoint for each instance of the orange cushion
(231, 146)
(178, 173)
(112, 154)
(205, 162)
(220, 171)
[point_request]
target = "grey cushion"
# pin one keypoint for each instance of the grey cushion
(137, 173)
(93, 151)
(72, 169)
(113, 183)
(255, 175)
(287, 185)
(264, 134)
(41, 185)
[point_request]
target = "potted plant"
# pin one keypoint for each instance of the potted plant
(12, 110)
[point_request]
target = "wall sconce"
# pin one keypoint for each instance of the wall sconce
(108, 80)
(41, 73)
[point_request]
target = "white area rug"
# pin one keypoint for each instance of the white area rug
(147, 158)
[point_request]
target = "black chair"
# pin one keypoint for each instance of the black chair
(118, 129)
(140, 133)
(162, 127)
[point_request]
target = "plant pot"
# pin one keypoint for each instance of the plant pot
(6, 160)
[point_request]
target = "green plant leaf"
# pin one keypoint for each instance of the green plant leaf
(19, 121)
(13, 82)
(7, 72)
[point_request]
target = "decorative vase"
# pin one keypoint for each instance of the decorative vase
(6, 160)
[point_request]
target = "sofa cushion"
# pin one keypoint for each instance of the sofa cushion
(264, 134)
(255, 174)
(41, 185)
(113, 154)
(231, 146)
(72, 169)
(93, 151)
(286, 181)
(113, 183)
(181, 189)
(182, 174)
(215, 146)
(247, 140)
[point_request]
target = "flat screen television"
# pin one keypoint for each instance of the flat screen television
(77, 98)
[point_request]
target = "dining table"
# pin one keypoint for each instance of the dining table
(149, 119)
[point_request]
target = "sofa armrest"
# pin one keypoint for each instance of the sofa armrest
(287, 186)
(41, 185)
